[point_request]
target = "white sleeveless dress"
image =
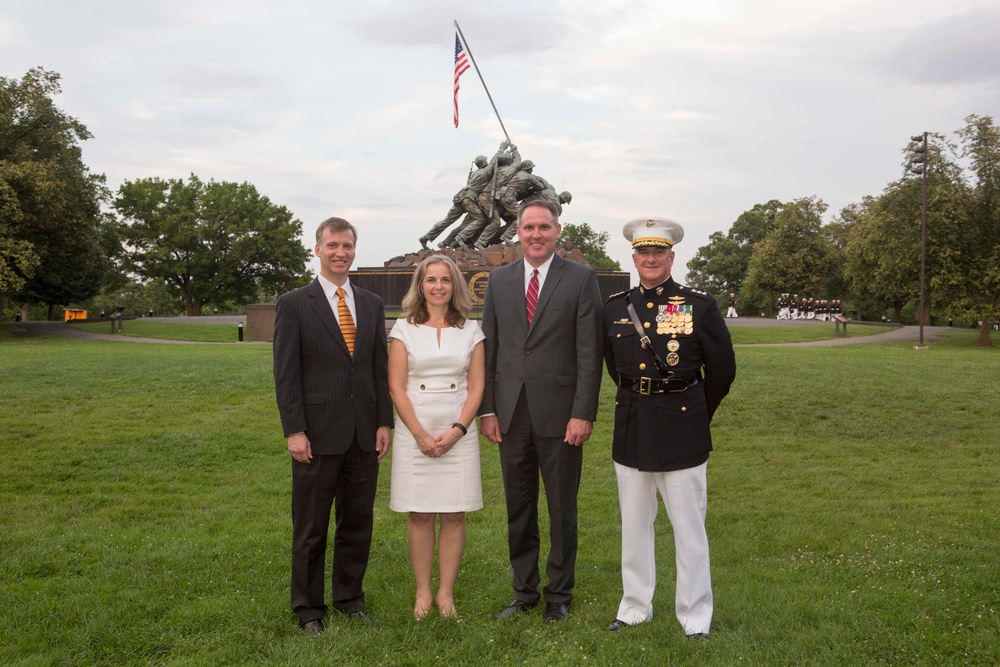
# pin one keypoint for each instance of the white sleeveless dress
(437, 386)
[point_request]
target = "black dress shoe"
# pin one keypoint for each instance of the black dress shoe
(315, 628)
(517, 607)
(556, 612)
(699, 636)
(617, 625)
(359, 616)
(362, 617)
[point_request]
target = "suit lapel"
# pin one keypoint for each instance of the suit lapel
(362, 321)
(518, 298)
(551, 280)
(321, 305)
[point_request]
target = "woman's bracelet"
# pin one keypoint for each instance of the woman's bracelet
(461, 428)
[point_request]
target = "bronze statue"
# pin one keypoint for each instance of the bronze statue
(465, 200)
(490, 200)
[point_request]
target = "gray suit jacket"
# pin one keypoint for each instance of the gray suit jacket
(320, 388)
(558, 360)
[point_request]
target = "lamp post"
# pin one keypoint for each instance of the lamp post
(918, 165)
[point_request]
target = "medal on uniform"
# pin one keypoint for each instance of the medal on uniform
(673, 345)
(673, 358)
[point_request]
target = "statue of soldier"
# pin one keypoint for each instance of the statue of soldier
(487, 200)
(465, 201)
(505, 206)
(508, 233)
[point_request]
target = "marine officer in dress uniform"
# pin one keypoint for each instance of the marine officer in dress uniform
(669, 351)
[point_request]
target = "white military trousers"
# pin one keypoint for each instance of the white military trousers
(685, 495)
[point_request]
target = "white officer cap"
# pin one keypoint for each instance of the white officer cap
(658, 232)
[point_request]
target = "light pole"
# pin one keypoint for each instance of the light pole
(918, 165)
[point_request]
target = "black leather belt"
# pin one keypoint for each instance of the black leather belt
(647, 386)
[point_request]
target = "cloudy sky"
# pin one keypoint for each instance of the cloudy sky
(690, 110)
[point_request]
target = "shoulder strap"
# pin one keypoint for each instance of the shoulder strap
(647, 344)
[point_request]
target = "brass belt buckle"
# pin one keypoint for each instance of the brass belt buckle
(645, 386)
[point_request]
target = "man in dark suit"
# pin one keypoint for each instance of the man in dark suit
(541, 317)
(332, 386)
(668, 391)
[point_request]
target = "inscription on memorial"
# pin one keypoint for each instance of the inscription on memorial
(477, 285)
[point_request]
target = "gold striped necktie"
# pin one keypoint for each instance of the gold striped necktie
(346, 321)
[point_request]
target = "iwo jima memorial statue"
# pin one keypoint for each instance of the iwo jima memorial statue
(485, 235)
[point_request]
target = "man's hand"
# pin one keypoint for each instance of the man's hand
(300, 448)
(578, 431)
(490, 427)
(383, 441)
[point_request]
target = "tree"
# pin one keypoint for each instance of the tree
(883, 246)
(721, 266)
(969, 271)
(591, 243)
(50, 234)
(213, 242)
(795, 256)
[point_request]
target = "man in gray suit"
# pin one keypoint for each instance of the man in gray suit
(332, 385)
(542, 320)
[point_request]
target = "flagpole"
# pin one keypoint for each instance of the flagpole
(478, 73)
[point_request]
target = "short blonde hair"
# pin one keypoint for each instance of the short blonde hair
(415, 303)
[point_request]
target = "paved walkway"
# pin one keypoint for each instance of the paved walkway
(879, 333)
(876, 332)
(63, 329)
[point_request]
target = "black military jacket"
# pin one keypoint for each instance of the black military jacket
(668, 431)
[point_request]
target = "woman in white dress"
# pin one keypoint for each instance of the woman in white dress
(437, 373)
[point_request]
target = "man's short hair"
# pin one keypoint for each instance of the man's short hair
(547, 205)
(335, 225)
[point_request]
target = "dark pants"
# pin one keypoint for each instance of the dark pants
(349, 481)
(523, 454)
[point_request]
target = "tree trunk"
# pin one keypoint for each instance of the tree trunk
(192, 307)
(897, 312)
(24, 312)
(984, 335)
(52, 312)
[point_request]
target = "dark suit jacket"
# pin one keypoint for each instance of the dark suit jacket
(669, 431)
(558, 360)
(321, 389)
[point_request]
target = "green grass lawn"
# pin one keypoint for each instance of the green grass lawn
(798, 334)
(853, 520)
(206, 333)
(227, 333)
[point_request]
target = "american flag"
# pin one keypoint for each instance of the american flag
(461, 64)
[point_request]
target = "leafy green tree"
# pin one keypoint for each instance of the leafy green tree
(51, 231)
(138, 298)
(796, 256)
(721, 266)
(592, 244)
(213, 242)
(968, 275)
(883, 247)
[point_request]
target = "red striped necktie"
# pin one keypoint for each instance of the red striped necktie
(532, 296)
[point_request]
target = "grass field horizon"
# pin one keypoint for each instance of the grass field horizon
(228, 333)
(853, 520)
